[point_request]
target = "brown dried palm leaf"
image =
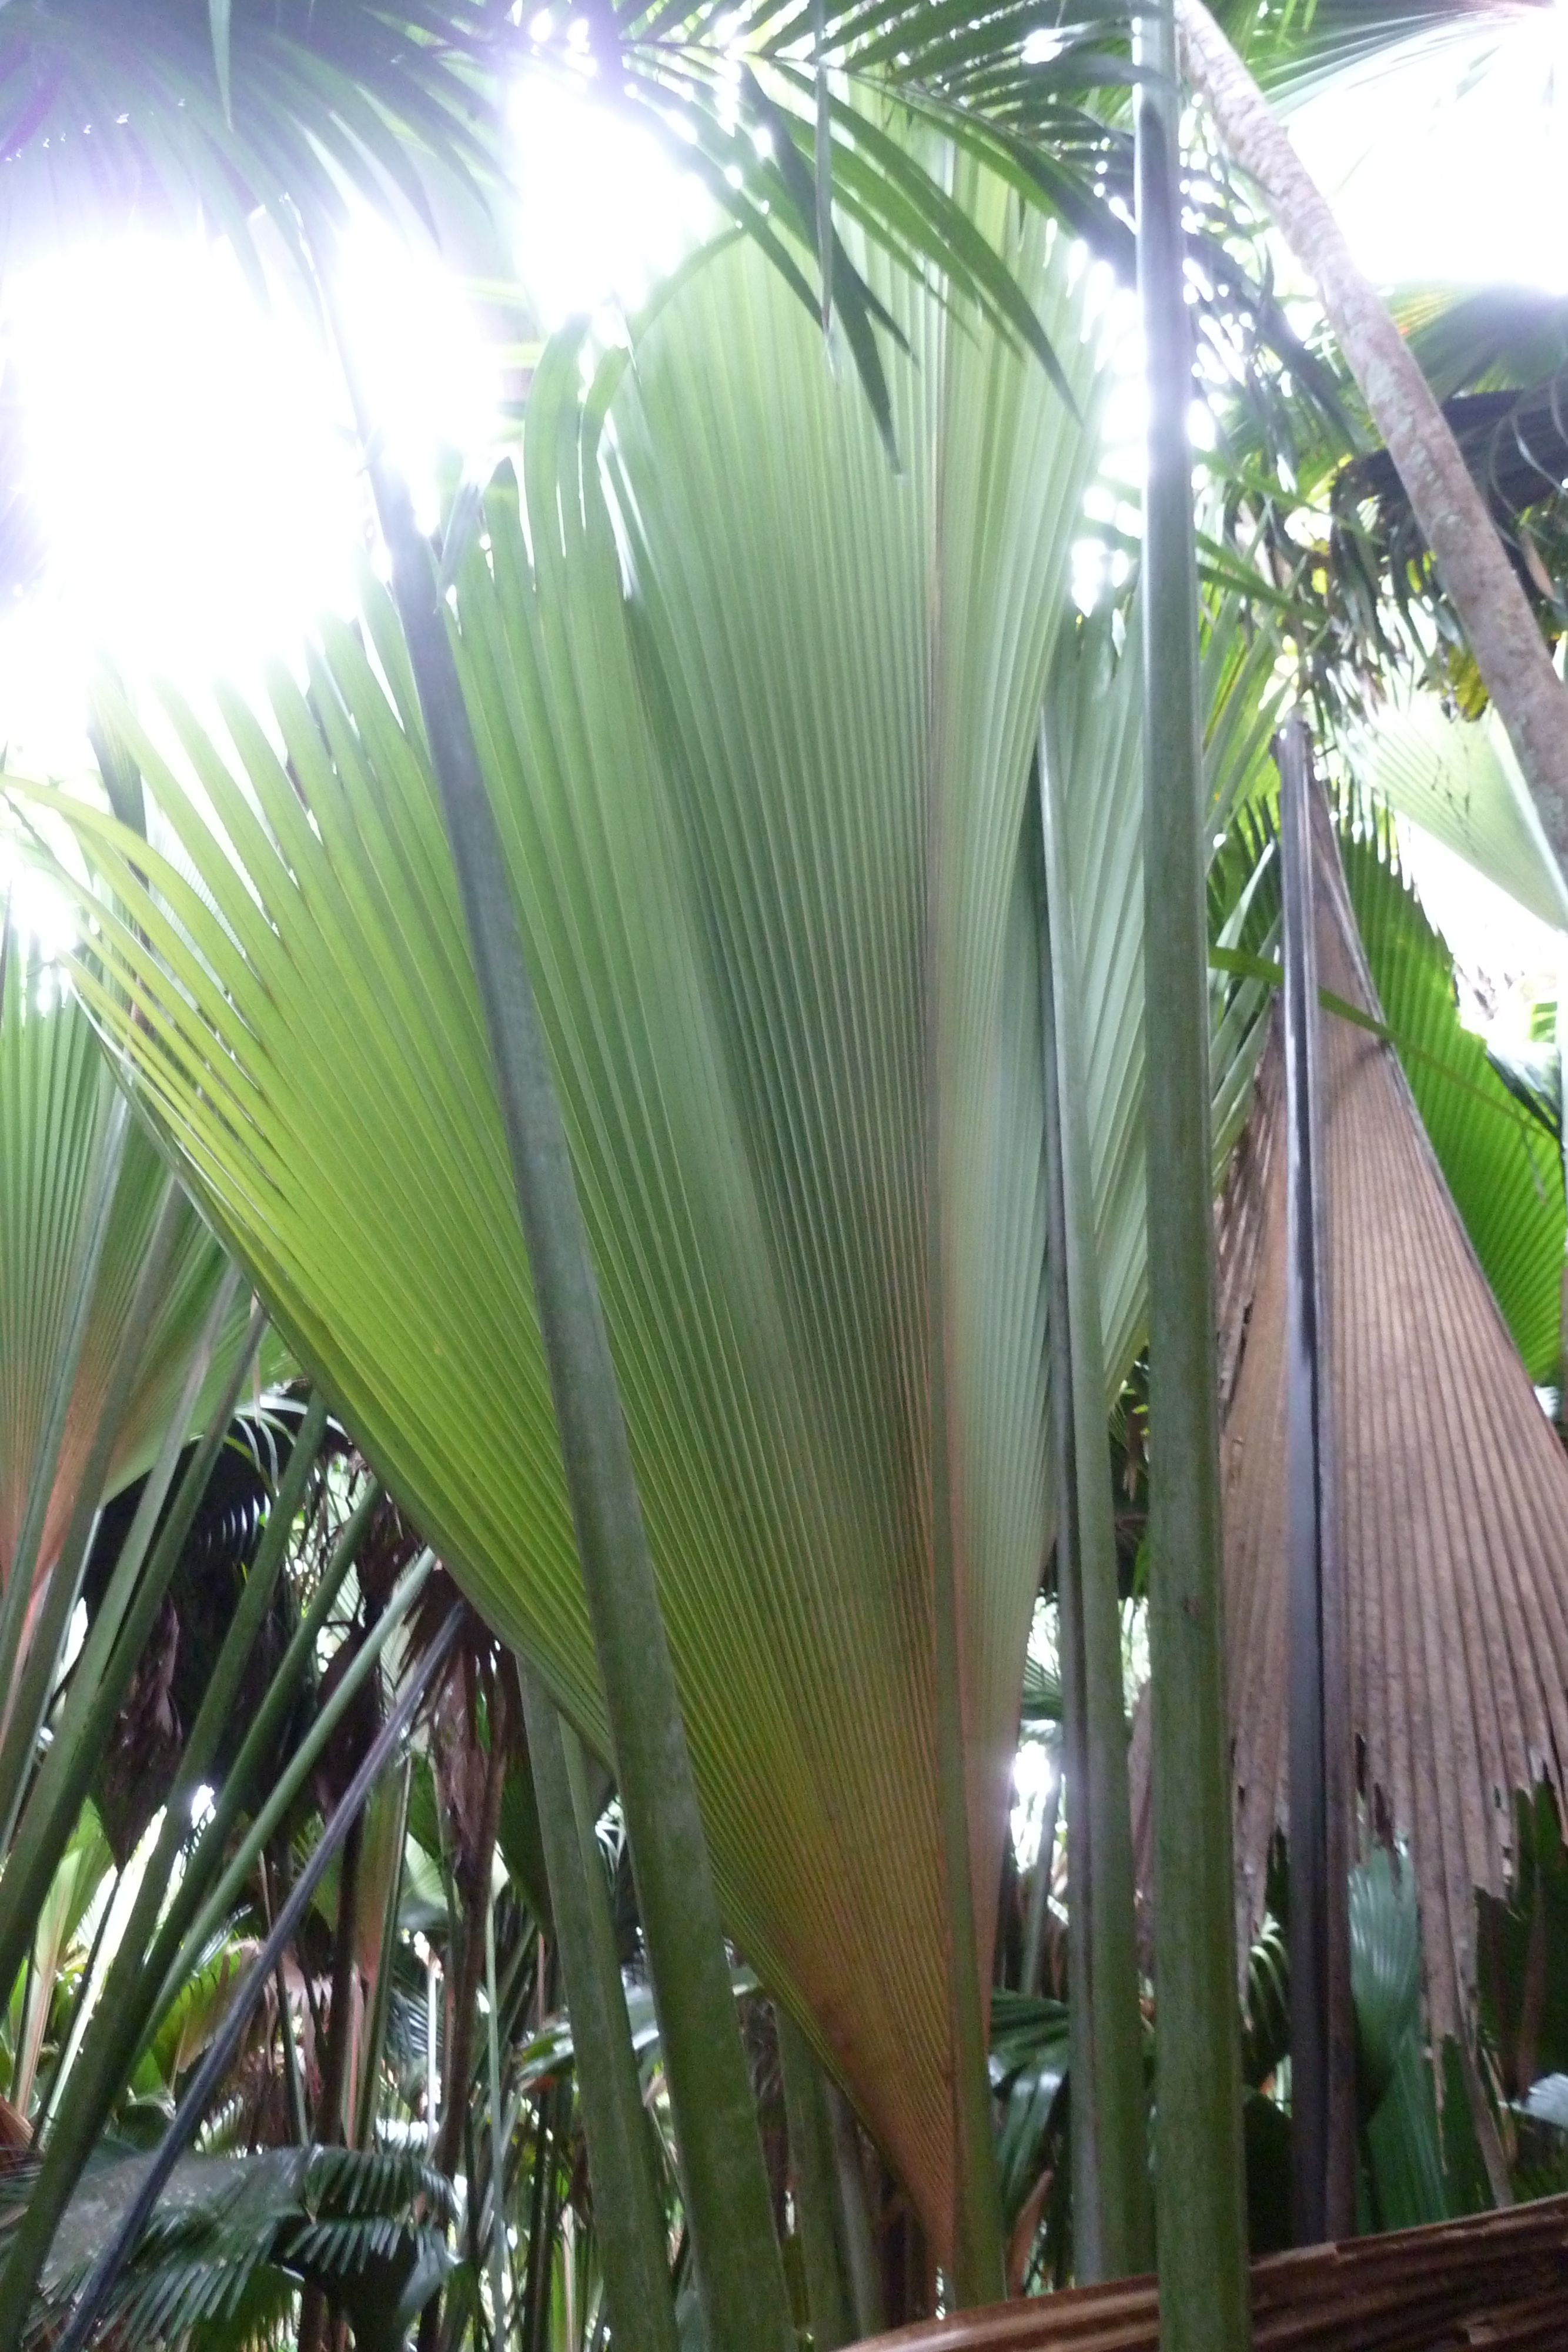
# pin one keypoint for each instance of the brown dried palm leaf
(1452, 1489)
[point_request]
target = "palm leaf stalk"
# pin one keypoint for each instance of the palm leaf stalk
(194, 1917)
(84, 1864)
(1481, 583)
(1088, 2188)
(70, 2032)
(1112, 2221)
(1201, 2208)
(629, 2223)
(739, 2270)
(221, 2051)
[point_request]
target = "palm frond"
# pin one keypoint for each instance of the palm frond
(1029, 2074)
(233, 2238)
(1295, 51)
(756, 715)
(1458, 779)
(1092, 722)
(715, 803)
(53, 1077)
(113, 113)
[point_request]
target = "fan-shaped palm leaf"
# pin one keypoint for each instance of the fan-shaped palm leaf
(163, 109)
(1095, 740)
(53, 1083)
(756, 719)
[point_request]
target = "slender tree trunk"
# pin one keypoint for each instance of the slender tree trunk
(329, 2130)
(977, 2265)
(497, 2247)
(1112, 2233)
(1200, 2195)
(813, 2173)
(854, 2213)
(1323, 2022)
(1481, 583)
(627, 2213)
(1040, 1889)
(475, 1890)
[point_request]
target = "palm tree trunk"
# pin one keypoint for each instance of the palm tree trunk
(854, 2216)
(329, 2129)
(626, 2208)
(1200, 2197)
(1323, 2022)
(1508, 649)
(813, 2173)
(1112, 2235)
(472, 1880)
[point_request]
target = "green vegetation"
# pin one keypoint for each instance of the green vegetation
(608, 1226)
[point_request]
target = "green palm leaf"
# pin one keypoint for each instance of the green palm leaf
(757, 714)
(1297, 52)
(1092, 726)
(1458, 779)
(53, 1080)
(135, 110)
(233, 2238)
(1502, 1166)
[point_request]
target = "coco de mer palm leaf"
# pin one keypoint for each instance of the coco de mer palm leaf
(54, 1082)
(757, 714)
